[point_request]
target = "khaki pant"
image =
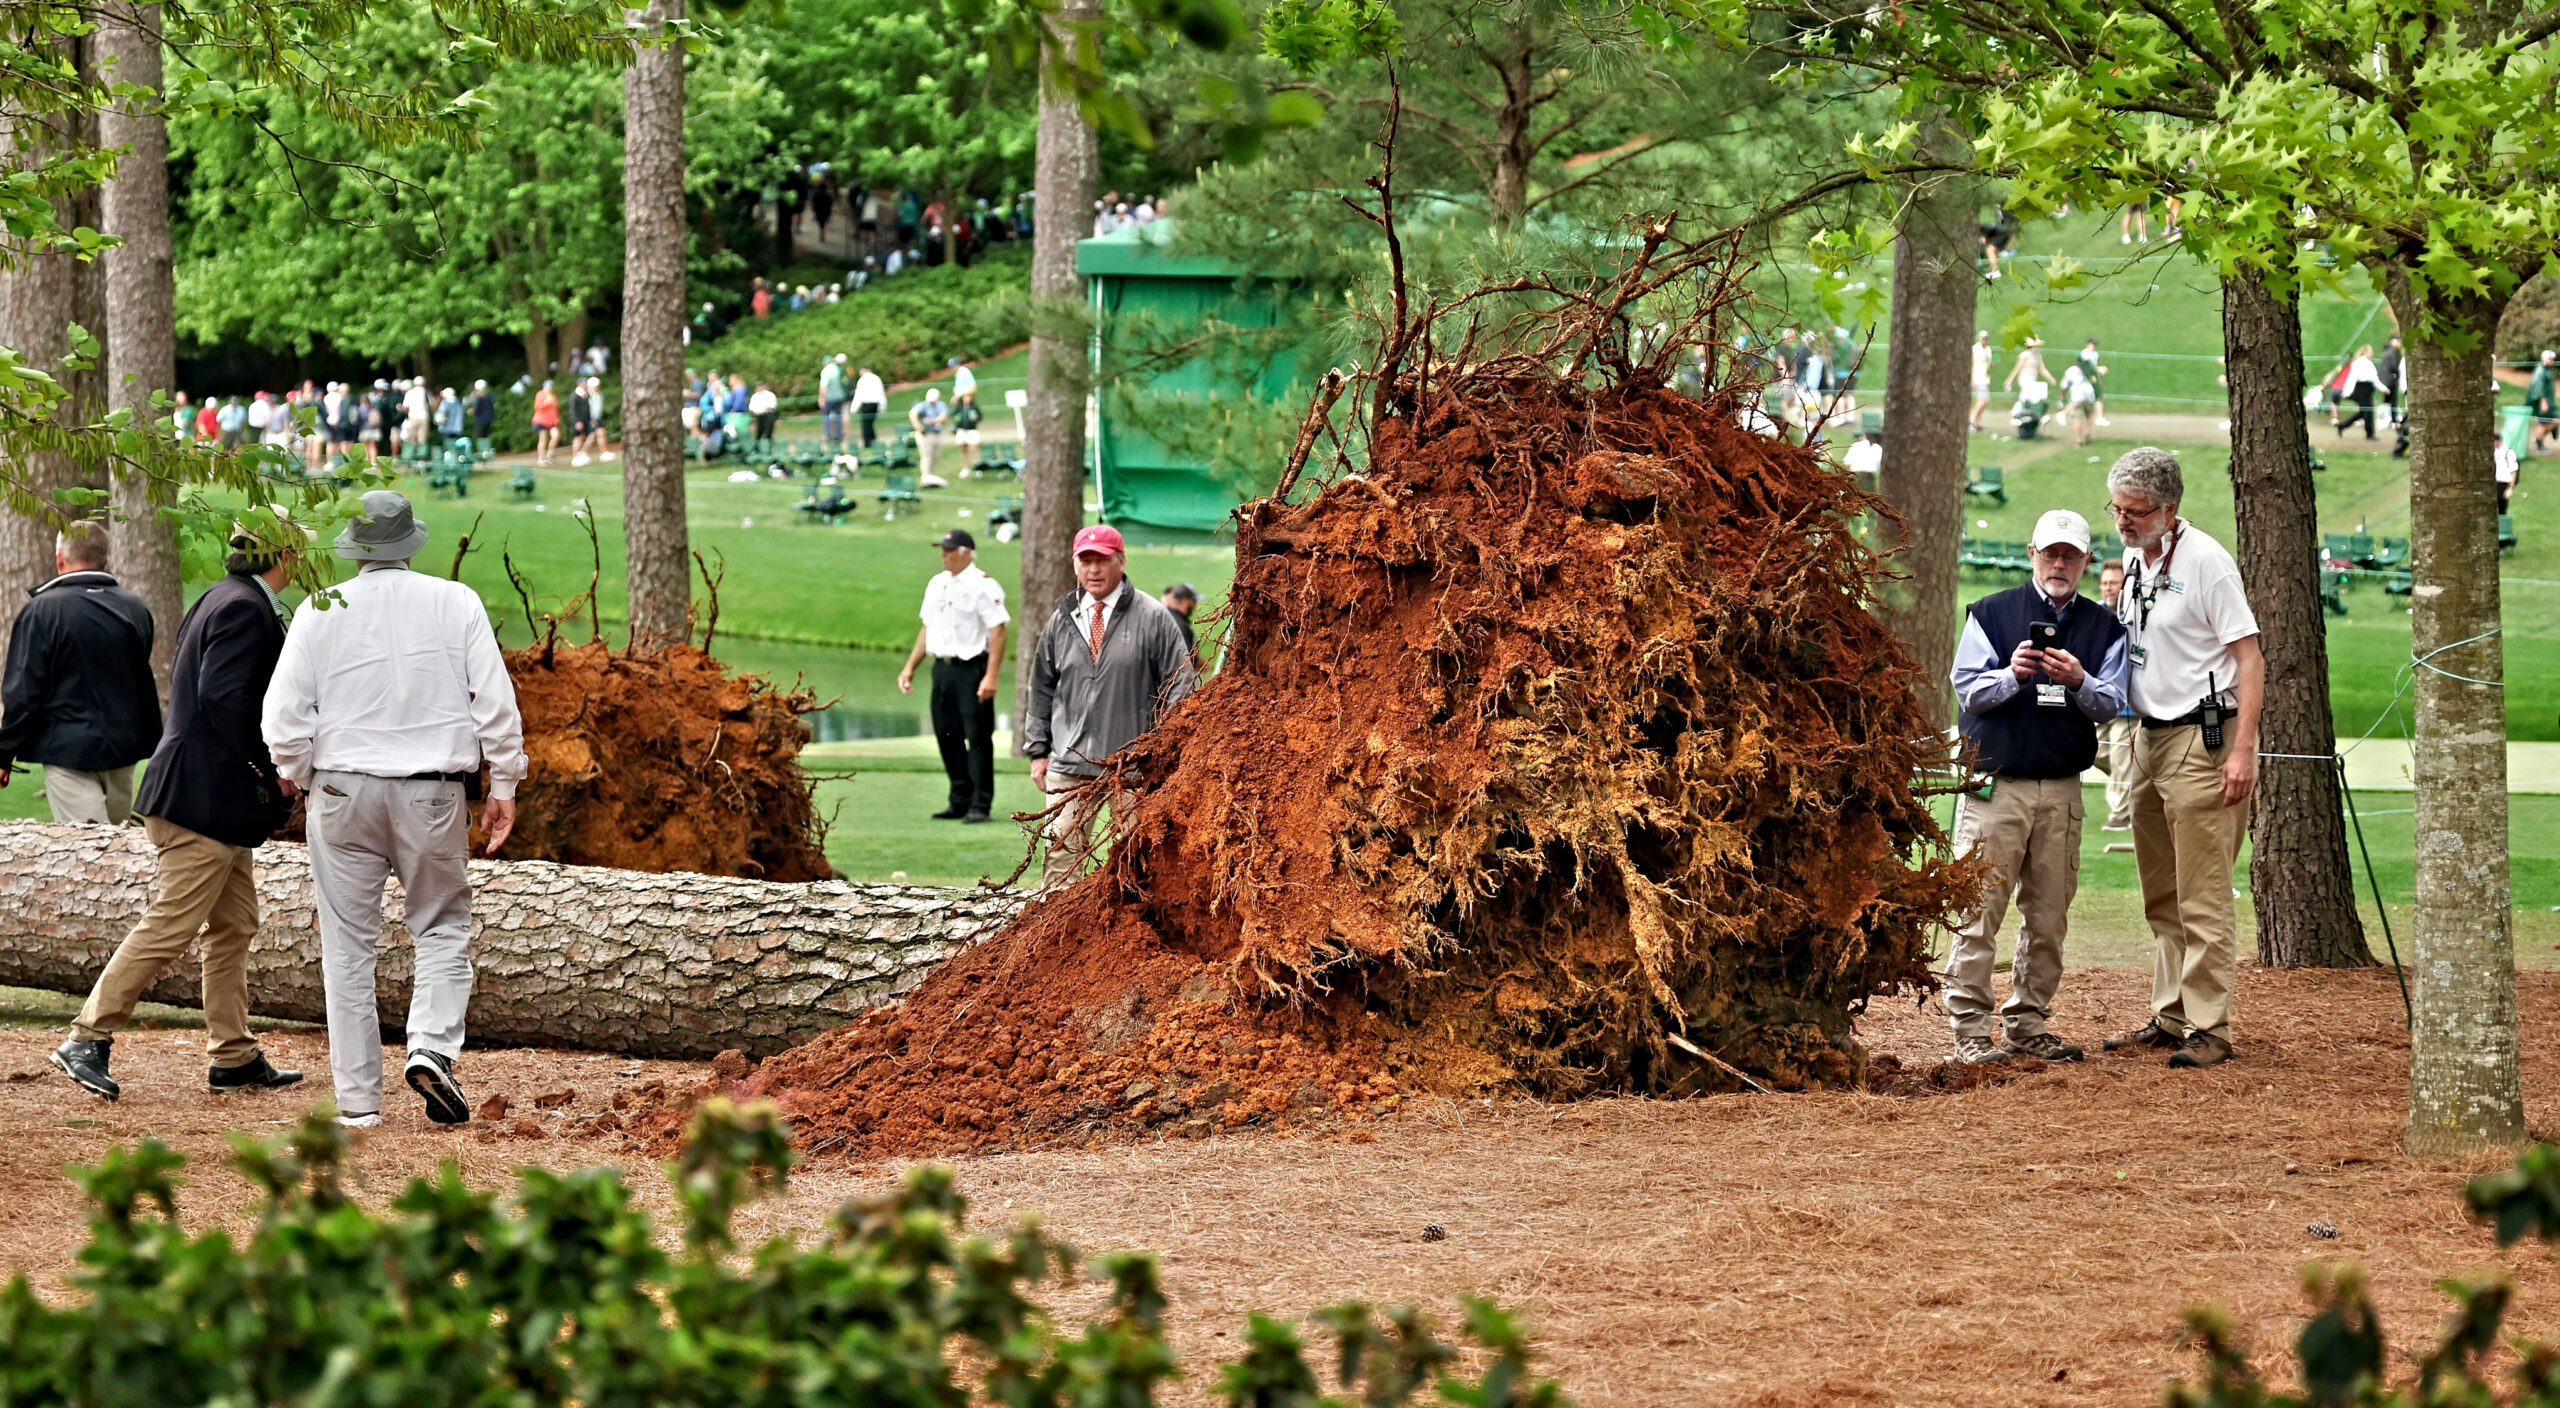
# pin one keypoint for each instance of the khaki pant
(2028, 832)
(202, 884)
(2184, 844)
(1068, 833)
(2115, 759)
(89, 798)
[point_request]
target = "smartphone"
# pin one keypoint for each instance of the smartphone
(2044, 635)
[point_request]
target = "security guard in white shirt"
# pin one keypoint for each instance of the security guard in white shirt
(964, 622)
(382, 710)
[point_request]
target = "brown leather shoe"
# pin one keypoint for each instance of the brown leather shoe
(2150, 1034)
(2202, 1049)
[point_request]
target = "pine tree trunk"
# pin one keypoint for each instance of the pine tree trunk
(1927, 393)
(37, 303)
(2298, 876)
(142, 310)
(653, 526)
(640, 964)
(1067, 168)
(2465, 1092)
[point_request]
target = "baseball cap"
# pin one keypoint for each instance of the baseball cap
(1099, 538)
(957, 538)
(2061, 525)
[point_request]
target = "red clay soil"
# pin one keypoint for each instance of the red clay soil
(1553, 753)
(662, 760)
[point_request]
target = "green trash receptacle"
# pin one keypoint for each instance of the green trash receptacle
(2515, 426)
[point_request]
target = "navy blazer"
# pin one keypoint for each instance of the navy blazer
(211, 773)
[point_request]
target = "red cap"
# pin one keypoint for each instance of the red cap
(1099, 538)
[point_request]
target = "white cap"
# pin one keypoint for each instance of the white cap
(2061, 525)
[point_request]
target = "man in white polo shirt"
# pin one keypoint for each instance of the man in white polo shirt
(964, 621)
(2196, 679)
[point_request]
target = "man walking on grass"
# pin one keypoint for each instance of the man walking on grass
(210, 798)
(383, 709)
(964, 621)
(1110, 662)
(77, 694)
(2039, 668)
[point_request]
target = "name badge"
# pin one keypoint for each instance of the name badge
(2138, 655)
(2050, 696)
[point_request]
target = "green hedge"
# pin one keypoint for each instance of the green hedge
(564, 1296)
(906, 327)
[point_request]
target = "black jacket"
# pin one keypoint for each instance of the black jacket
(78, 691)
(211, 773)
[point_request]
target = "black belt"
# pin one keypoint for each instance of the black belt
(470, 780)
(2191, 719)
(960, 659)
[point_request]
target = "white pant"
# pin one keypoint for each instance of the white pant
(363, 831)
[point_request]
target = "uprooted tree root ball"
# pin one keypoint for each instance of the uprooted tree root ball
(1558, 753)
(660, 759)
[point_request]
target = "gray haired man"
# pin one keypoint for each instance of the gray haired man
(383, 708)
(2196, 682)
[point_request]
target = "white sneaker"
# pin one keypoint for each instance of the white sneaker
(577, 460)
(2126, 238)
(2102, 420)
(360, 1121)
(608, 457)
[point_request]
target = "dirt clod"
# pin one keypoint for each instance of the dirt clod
(555, 1099)
(662, 760)
(494, 1108)
(731, 1064)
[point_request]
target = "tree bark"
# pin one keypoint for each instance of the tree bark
(1067, 169)
(537, 346)
(2465, 1092)
(1927, 391)
(2298, 876)
(1507, 196)
(573, 340)
(37, 304)
(142, 313)
(653, 526)
(579, 956)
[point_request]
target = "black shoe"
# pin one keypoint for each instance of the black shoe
(86, 1063)
(430, 1073)
(976, 819)
(2150, 1034)
(252, 1074)
(949, 814)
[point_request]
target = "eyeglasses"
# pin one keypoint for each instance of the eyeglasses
(2122, 514)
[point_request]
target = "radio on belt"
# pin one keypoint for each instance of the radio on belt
(2211, 712)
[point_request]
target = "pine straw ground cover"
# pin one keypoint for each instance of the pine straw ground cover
(1816, 1249)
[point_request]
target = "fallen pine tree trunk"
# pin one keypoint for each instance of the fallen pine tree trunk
(662, 965)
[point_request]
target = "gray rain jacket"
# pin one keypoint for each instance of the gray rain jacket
(1084, 710)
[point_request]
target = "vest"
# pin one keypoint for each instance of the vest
(2022, 738)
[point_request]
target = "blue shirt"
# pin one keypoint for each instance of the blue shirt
(1984, 681)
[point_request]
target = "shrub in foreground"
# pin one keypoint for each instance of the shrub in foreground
(563, 1295)
(2344, 1364)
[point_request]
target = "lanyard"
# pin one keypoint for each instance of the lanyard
(2145, 586)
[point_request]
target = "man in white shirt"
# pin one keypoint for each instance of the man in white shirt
(964, 624)
(2197, 679)
(870, 398)
(382, 710)
(413, 413)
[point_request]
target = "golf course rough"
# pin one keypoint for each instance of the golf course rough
(1556, 750)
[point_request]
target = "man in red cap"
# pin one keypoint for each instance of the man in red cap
(1111, 659)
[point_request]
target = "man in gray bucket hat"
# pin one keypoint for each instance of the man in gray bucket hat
(385, 705)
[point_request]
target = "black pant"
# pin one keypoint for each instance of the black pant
(965, 726)
(869, 414)
(2364, 412)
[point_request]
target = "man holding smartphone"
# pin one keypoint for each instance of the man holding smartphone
(2038, 670)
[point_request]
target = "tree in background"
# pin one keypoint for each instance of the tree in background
(653, 298)
(141, 307)
(908, 95)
